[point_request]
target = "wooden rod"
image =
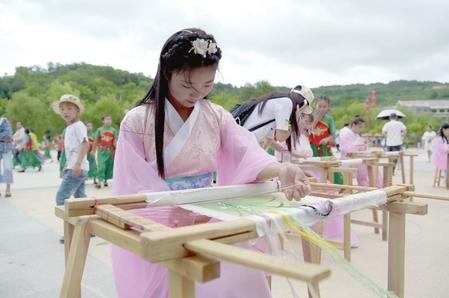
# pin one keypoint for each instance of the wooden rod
(426, 196)
(306, 272)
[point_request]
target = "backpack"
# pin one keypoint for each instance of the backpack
(242, 111)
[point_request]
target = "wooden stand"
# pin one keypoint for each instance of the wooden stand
(190, 253)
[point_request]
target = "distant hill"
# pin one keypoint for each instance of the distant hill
(27, 95)
(94, 81)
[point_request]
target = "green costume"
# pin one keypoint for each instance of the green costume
(30, 157)
(91, 157)
(62, 158)
(323, 129)
(106, 138)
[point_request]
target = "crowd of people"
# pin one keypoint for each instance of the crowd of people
(21, 150)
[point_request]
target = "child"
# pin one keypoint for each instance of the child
(91, 153)
(75, 147)
(440, 149)
(323, 132)
(427, 139)
(105, 138)
(30, 157)
(47, 145)
(174, 139)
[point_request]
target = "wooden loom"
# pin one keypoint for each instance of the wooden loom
(190, 253)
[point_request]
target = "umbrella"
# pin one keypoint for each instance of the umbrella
(385, 114)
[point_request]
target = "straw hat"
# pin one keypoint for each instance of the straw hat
(308, 96)
(67, 98)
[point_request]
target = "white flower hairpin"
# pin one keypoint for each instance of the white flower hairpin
(203, 47)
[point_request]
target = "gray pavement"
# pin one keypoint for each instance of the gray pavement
(32, 260)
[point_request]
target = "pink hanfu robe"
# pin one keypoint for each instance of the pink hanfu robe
(209, 141)
(351, 143)
(440, 150)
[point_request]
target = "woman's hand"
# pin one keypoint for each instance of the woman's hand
(293, 181)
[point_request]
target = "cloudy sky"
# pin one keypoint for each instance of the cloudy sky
(286, 42)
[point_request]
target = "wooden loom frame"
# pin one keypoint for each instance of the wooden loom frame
(205, 241)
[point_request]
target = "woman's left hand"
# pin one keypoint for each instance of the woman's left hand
(293, 181)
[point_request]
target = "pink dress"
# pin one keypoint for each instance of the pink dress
(350, 143)
(210, 141)
(440, 150)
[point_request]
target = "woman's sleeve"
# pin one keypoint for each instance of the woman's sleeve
(240, 158)
(132, 173)
(303, 149)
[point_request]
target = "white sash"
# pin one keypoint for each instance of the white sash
(181, 129)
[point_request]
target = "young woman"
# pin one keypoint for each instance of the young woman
(274, 118)
(440, 148)
(175, 139)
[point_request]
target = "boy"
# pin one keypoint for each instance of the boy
(75, 146)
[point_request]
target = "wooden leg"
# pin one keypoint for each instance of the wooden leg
(312, 254)
(411, 169)
(347, 180)
(347, 237)
(396, 258)
(447, 172)
(323, 176)
(384, 225)
(401, 160)
(71, 287)
(179, 286)
(68, 235)
(388, 176)
(375, 219)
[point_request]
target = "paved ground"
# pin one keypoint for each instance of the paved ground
(32, 260)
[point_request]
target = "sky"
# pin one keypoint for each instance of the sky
(285, 42)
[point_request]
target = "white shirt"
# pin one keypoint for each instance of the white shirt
(75, 134)
(393, 130)
(427, 138)
(19, 138)
(278, 109)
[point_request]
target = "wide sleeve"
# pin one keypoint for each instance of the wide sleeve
(348, 143)
(132, 173)
(240, 158)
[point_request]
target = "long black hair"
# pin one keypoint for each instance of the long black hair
(177, 54)
(444, 126)
(297, 100)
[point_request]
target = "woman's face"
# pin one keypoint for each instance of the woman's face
(188, 86)
(358, 128)
(322, 107)
(446, 132)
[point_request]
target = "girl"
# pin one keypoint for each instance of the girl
(427, 139)
(301, 148)
(323, 132)
(351, 141)
(174, 139)
(440, 148)
(274, 118)
(30, 157)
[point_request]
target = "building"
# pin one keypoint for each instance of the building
(437, 107)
